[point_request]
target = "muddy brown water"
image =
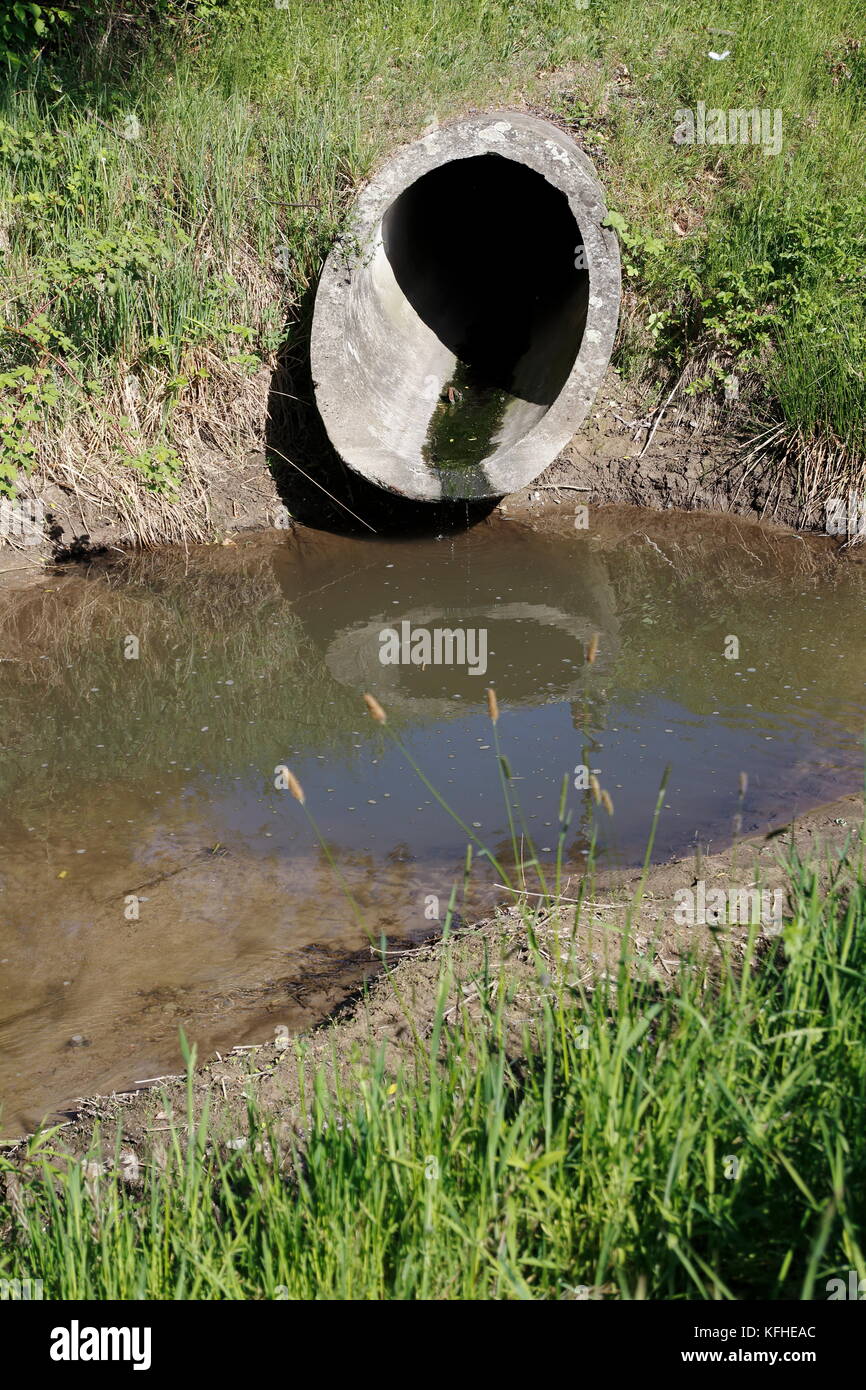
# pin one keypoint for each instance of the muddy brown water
(151, 874)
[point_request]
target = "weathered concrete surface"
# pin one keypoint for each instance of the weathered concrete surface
(464, 322)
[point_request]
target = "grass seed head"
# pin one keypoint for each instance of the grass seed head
(295, 787)
(375, 709)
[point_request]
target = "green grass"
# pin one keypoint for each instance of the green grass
(701, 1139)
(768, 282)
(165, 203)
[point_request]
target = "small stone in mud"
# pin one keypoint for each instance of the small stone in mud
(78, 1040)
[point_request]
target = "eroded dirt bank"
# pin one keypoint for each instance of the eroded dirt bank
(629, 451)
(386, 1006)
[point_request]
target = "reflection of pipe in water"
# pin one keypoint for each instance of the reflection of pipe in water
(536, 600)
(354, 658)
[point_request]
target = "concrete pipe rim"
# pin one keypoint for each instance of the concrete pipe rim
(399, 318)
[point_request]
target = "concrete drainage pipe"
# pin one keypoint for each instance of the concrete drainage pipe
(464, 322)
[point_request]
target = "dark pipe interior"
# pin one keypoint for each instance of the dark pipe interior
(484, 249)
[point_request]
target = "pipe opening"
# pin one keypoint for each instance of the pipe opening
(486, 251)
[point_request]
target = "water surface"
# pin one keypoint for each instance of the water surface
(152, 778)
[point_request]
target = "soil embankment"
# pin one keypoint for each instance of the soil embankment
(627, 453)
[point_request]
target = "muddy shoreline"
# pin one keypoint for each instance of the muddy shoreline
(358, 1002)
